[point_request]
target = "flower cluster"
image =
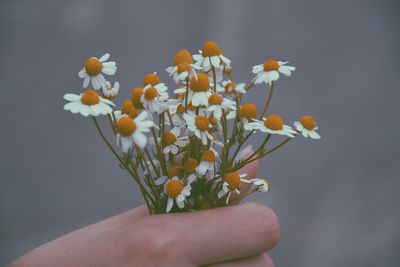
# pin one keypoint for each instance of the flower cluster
(185, 146)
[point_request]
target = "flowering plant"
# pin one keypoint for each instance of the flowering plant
(181, 151)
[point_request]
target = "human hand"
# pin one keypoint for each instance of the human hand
(230, 236)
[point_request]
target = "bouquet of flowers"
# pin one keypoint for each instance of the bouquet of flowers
(181, 150)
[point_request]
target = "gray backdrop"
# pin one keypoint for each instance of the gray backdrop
(337, 199)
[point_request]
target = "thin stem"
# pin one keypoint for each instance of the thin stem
(271, 90)
(142, 189)
(170, 119)
(214, 78)
(186, 94)
(244, 163)
(112, 123)
(160, 154)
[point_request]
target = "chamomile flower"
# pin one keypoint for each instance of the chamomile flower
(109, 91)
(210, 56)
(137, 93)
(199, 90)
(273, 124)
(207, 163)
(307, 126)
(176, 191)
(231, 184)
(219, 105)
(190, 169)
(260, 185)
(130, 131)
(151, 78)
(94, 69)
(88, 103)
(231, 88)
(269, 71)
(248, 112)
(183, 66)
(154, 97)
(199, 125)
(171, 141)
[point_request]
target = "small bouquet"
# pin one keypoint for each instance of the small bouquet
(185, 152)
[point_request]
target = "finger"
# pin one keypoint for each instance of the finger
(251, 170)
(254, 261)
(219, 234)
(112, 223)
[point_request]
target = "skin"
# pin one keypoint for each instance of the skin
(237, 235)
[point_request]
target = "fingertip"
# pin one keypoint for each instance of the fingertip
(267, 220)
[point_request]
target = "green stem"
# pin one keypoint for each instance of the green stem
(271, 90)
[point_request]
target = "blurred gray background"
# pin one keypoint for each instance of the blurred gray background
(337, 199)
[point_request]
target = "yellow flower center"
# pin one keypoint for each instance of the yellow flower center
(183, 67)
(230, 87)
(274, 122)
(201, 123)
(201, 84)
(191, 165)
(248, 111)
(90, 97)
(126, 126)
(168, 139)
(93, 66)
(271, 64)
(308, 122)
(151, 79)
(210, 49)
(215, 99)
(151, 93)
(136, 95)
(233, 180)
(126, 107)
(183, 56)
(173, 170)
(180, 109)
(174, 188)
(208, 155)
(133, 113)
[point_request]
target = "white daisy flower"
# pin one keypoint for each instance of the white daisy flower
(183, 66)
(211, 55)
(151, 78)
(199, 125)
(273, 124)
(130, 131)
(136, 96)
(247, 113)
(231, 88)
(154, 97)
(207, 163)
(109, 91)
(199, 90)
(190, 169)
(175, 190)
(231, 184)
(88, 103)
(307, 126)
(269, 71)
(94, 69)
(219, 106)
(260, 185)
(171, 141)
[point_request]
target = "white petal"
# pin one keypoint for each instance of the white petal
(170, 203)
(104, 57)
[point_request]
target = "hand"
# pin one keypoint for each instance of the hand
(230, 236)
